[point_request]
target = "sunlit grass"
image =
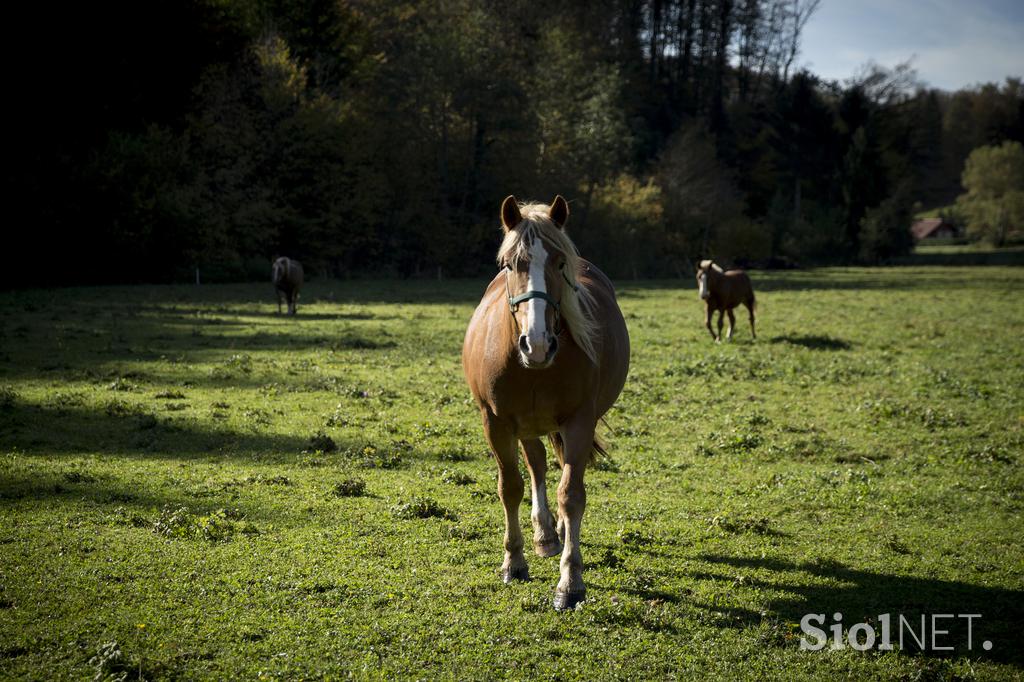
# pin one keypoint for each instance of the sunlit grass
(194, 487)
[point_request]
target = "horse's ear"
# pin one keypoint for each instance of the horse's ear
(559, 211)
(510, 215)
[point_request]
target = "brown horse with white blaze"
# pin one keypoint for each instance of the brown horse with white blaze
(546, 354)
(723, 290)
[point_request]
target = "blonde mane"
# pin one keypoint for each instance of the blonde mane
(705, 264)
(576, 305)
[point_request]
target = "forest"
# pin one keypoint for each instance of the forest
(159, 140)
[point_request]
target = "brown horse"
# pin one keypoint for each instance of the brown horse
(287, 276)
(723, 290)
(546, 354)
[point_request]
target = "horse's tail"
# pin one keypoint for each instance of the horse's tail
(558, 445)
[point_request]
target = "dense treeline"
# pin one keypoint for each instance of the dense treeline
(380, 137)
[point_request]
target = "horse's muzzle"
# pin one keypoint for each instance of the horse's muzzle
(527, 354)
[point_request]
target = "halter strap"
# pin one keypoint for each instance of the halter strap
(514, 301)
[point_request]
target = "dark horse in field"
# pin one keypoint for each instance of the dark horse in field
(546, 354)
(723, 290)
(287, 276)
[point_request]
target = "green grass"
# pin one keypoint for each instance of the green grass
(958, 253)
(192, 487)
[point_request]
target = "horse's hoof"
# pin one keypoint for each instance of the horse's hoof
(548, 549)
(510, 575)
(564, 601)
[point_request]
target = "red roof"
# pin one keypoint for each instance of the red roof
(924, 227)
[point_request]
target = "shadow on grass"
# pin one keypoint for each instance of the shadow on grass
(33, 352)
(216, 312)
(272, 339)
(50, 486)
(121, 429)
(814, 342)
(304, 316)
(321, 292)
(126, 430)
(862, 596)
(126, 501)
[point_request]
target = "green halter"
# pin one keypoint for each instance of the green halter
(514, 301)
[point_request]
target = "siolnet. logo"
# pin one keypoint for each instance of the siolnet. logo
(933, 632)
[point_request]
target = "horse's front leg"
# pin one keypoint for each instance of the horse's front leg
(721, 314)
(546, 541)
(278, 301)
(510, 490)
(708, 312)
(578, 435)
(732, 323)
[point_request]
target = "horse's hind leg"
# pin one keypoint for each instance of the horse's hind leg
(578, 436)
(750, 310)
(545, 540)
(732, 323)
(510, 490)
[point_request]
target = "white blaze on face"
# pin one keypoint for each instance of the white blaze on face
(703, 280)
(536, 323)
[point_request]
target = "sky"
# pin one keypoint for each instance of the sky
(952, 44)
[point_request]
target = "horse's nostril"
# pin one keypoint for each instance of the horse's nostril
(524, 345)
(552, 345)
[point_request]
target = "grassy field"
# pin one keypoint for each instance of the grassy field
(955, 253)
(193, 487)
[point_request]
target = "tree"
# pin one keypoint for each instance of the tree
(625, 232)
(994, 202)
(380, 136)
(583, 134)
(861, 178)
(698, 190)
(885, 229)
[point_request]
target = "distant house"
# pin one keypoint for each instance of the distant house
(933, 228)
